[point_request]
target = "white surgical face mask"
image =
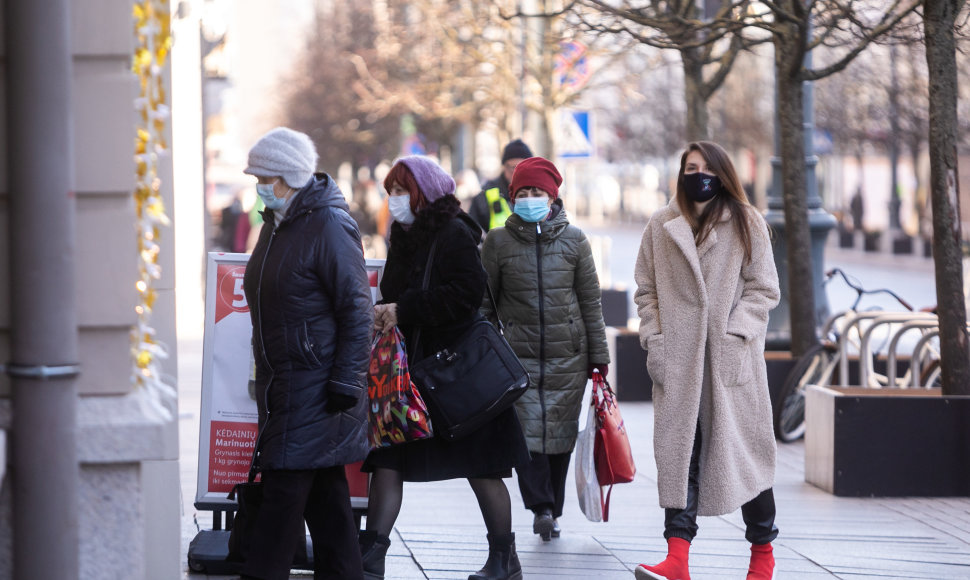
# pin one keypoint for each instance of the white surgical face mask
(266, 193)
(400, 208)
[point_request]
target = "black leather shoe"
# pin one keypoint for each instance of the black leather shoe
(556, 530)
(543, 524)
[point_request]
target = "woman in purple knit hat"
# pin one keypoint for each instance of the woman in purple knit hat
(424, 209)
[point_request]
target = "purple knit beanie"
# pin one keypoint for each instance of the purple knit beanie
(433, 181)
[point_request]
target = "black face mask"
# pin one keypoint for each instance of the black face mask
(701, 186)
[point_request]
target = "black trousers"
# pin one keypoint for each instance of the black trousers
(758, 514)
(320, 497)
(542, 482)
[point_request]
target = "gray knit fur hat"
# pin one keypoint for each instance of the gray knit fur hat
(286, 153)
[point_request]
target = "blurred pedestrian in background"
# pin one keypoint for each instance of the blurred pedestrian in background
(548, 296)
(856, 210)
(425, 210)
(310, 304)
(490, 208)
(706, 281)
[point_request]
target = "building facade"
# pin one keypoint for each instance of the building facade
(127, 503)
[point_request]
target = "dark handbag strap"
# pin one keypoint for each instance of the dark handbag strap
(424, 286)
(252, 462)
(259, 439)
(491, 298)
(252, 468)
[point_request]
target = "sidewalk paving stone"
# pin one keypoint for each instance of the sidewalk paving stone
(440, 532)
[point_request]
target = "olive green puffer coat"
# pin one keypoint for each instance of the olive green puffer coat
(548, 296)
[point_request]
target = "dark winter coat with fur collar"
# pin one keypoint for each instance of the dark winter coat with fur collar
(457, 284)
(443, 311)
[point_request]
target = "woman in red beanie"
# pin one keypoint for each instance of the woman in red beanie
(548, 296)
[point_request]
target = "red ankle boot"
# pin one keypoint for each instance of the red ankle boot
(762, 566)
(674, 567)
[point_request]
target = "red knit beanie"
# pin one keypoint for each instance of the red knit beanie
(536, 172)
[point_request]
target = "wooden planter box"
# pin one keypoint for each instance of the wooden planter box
(616, 310)
(903, 245)
(628, 369)
(779, 363)
(846, 238)
(887, 442)
(871, 241)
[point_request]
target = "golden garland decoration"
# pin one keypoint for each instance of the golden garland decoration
(154, 40)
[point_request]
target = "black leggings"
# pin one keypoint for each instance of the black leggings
(758, 514)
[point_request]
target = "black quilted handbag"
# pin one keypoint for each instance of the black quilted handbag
(472, 381)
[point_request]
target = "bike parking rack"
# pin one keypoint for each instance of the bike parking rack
(853, 319)
(914, 360)
(865, 354)
(920, 345)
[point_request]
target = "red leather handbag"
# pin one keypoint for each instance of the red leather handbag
(612, 454)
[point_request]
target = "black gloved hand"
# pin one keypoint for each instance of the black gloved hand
(337, 402)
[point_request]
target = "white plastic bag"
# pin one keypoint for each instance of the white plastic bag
(587, 486)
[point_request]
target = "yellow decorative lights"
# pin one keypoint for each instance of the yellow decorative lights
(153, 41)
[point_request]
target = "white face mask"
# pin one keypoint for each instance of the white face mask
(400, 208)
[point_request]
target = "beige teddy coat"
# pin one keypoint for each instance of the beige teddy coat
(703, 317)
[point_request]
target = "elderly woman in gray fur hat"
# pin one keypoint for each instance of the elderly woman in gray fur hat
(706, 281)
(310, 304)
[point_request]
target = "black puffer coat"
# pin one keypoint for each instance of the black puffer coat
(444, 311)
(310, 304)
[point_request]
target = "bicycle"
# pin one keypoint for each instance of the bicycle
(841, 332)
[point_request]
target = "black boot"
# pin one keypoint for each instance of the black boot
(373, 549)
(503, 562)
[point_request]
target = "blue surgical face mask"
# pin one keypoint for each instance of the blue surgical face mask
(265, 191)
(532, 209)
(400, 208)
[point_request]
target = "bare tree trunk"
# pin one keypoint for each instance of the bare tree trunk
(919, 199)
(798, 239)
(697, 117)
(541, 121)
(939, 17)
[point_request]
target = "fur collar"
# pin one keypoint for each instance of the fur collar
(427, 223)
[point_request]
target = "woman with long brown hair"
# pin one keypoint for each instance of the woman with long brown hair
(706, 281)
